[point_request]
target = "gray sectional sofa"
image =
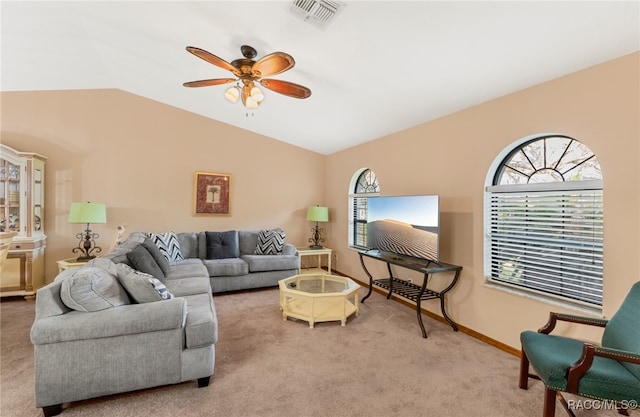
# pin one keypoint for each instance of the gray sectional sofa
(143, 315)
(229, 256)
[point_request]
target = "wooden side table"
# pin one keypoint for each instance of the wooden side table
(307, 251)
(69, 264)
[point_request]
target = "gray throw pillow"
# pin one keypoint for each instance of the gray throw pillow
(222, 245)
(157, 256)
(142, 288)
(141, 259)
(92, 289)
(103, 263)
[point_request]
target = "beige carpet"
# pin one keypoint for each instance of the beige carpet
(377, 365)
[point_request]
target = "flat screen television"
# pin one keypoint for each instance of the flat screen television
(405, 225)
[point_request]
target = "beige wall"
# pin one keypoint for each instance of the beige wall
(452, 156)
(138, 157)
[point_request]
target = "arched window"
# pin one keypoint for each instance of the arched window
(544, 220)
(364, 184)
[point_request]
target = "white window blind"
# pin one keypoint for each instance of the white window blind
(359, 221)
(366, 185)
(547, 240)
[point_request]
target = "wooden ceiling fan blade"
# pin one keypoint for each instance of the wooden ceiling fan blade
(272, 64)
(212, 59)
(287, 88)
(207, 83)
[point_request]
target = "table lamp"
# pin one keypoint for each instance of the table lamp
(317, 214)
(87, 213)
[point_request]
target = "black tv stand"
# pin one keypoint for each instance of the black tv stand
(407, 289)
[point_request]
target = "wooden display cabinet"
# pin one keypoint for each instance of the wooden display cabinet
(22, 178)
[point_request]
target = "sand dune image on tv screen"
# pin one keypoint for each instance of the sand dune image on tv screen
(402, 238)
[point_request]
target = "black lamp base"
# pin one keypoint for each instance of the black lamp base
(87, 245)
(315, 239)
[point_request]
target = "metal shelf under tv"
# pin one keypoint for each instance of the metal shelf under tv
(407, 289)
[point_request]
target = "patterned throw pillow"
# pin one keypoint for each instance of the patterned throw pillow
(270, 242)
(160, 288)
(168, 245)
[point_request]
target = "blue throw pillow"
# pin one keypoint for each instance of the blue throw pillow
(222, 245)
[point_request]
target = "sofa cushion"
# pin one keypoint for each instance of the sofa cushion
(119, 253)
(226, 267)
(222, 245)
(142, 288)
(157, 256)
(259, 263)
(180, 287)
(188, 261)
(92, 289)
(270, 242)
(189, 244)
(168, 245)
(140, 258)
(187, 269)
(247, 240)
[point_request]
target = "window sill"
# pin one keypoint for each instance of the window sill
(583, 310)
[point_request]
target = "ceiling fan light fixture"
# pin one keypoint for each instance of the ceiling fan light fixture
(232, 94)
(256, 94)
(251, 103)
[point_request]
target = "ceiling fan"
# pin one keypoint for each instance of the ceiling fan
(249, 72)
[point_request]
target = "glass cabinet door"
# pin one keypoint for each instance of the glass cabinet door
(9, 196)
(38, 199)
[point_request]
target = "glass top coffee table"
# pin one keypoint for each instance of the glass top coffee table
(318, 297)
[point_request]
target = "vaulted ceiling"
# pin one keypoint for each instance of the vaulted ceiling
(374, 68)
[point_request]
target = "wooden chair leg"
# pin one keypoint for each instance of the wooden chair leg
(524, 370)
(565, 404)
(549, 407)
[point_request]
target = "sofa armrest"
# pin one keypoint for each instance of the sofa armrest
(289, 249)
(123, 320)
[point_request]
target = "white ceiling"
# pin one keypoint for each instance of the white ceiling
(378, 68)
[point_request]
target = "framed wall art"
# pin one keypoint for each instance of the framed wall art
(212, 193)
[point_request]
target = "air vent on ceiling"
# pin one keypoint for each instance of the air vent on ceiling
(317, 12)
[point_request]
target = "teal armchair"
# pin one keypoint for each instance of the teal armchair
(610, 372)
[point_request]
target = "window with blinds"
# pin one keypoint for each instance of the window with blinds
(366, 185)
(544, 221)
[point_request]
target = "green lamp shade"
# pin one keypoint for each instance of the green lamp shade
(318, 214)
(88, 213)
